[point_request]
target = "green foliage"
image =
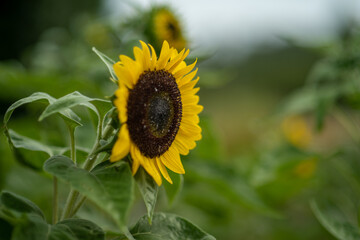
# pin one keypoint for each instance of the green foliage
(101, 185)
(341, 230)
(167, 227)
(230, 185)
(18, 142)
(149, 191)
(28, 222)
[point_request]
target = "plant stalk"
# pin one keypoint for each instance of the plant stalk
(70, 209)
(55, 201)
(83, 198)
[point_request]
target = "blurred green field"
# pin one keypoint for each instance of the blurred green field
(263, 161)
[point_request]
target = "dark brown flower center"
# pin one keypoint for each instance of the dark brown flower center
(174, 30)
(154, 112)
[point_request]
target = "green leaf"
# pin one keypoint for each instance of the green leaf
(76, 229)
(17, 204)
(110, 186)
(39, 96)
(99, 106)
(75, 99)
(341, 230)
(168, 227)
(18, 142)
(108, 62)
(29, 222)
(31, 227)
(30, 152)
(173, 190)
(149, 191)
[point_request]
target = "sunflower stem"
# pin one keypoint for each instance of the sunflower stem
(73, 194)
(55, 201)
(70, 209)
(72, 144)
(83, 198)
(78, 206)
(93, 154)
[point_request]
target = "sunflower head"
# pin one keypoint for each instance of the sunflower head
(164, 25)
(296, 131)
(158, 110)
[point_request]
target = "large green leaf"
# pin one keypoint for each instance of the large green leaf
(72, 100)
(340, 230)
(32, 227)
(39, 96)
(99, 106)
(167, 227)
(17, 205)
(28, 222)
(30, 152)
(149, 191)
(110, 186)
(35, 157)
(76, 229)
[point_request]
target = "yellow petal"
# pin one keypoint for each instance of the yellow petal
(138, 53)
(165, 55)
(123, 75)
(190, 127)
(120, 102)
(163, 170)
(171, 159)
(136, 161)
(153, 58)
(177, 60)
(151, 168)
(180, 66)
(132, 68)
(183, 150)
(190, 91)
(187, 78)
(122, 145)
(185, 142)
(189, 135)
(146, 56)
(191, 119)
(148, 164)
(192, 109)
(182, 72)
(190, 100)
(188, 86)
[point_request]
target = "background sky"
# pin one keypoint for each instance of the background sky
(250, 23)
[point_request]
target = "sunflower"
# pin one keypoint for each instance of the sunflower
(158, 109)
(164, 25)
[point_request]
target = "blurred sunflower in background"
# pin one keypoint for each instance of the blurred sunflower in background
(158, 109)
(164, 25)
(296, 131)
